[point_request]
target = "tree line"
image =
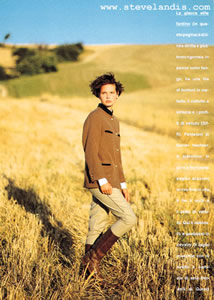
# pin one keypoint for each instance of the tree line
(31, 61)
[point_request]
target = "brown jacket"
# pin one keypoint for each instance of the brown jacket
(101, 143)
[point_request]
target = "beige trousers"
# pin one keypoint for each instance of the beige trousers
(101, 205)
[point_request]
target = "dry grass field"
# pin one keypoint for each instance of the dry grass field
(44, 212)
(44, 208)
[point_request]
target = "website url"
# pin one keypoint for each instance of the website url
(154, 6)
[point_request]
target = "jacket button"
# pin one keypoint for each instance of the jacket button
(117, 149)
(116, 166)
(112, 119)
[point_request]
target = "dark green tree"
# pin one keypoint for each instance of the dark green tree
(34, 61)
(3, 74)
(68, 52)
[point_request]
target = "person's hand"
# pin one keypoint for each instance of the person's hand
(106, 188)
(125, 194)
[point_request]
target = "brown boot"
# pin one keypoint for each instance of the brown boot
(98, 251)
(87, 247)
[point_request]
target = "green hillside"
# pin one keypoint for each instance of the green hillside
(72, 78)
(139, 67)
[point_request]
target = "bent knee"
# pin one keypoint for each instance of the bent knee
(131, 220)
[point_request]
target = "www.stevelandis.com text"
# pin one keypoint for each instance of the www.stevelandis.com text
(155, 6)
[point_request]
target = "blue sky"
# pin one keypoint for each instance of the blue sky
(70, 21)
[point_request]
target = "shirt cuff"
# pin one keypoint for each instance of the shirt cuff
(123, 185)
(102, 181)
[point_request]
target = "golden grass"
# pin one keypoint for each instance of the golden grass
(6, 59)
(44, 210)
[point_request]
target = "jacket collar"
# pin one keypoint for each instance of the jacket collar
(105, 109)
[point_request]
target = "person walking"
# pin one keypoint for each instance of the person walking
(104, 176)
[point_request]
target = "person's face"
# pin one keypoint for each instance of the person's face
(108, 95)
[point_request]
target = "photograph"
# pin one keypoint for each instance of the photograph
(106, 150)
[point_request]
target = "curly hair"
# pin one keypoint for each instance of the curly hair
(107, 78)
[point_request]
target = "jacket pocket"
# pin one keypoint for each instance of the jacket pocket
(107, 168)
(109, 131)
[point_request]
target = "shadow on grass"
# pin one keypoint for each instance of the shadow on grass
(61, 237)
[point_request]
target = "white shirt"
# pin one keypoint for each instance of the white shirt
(104, 181)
